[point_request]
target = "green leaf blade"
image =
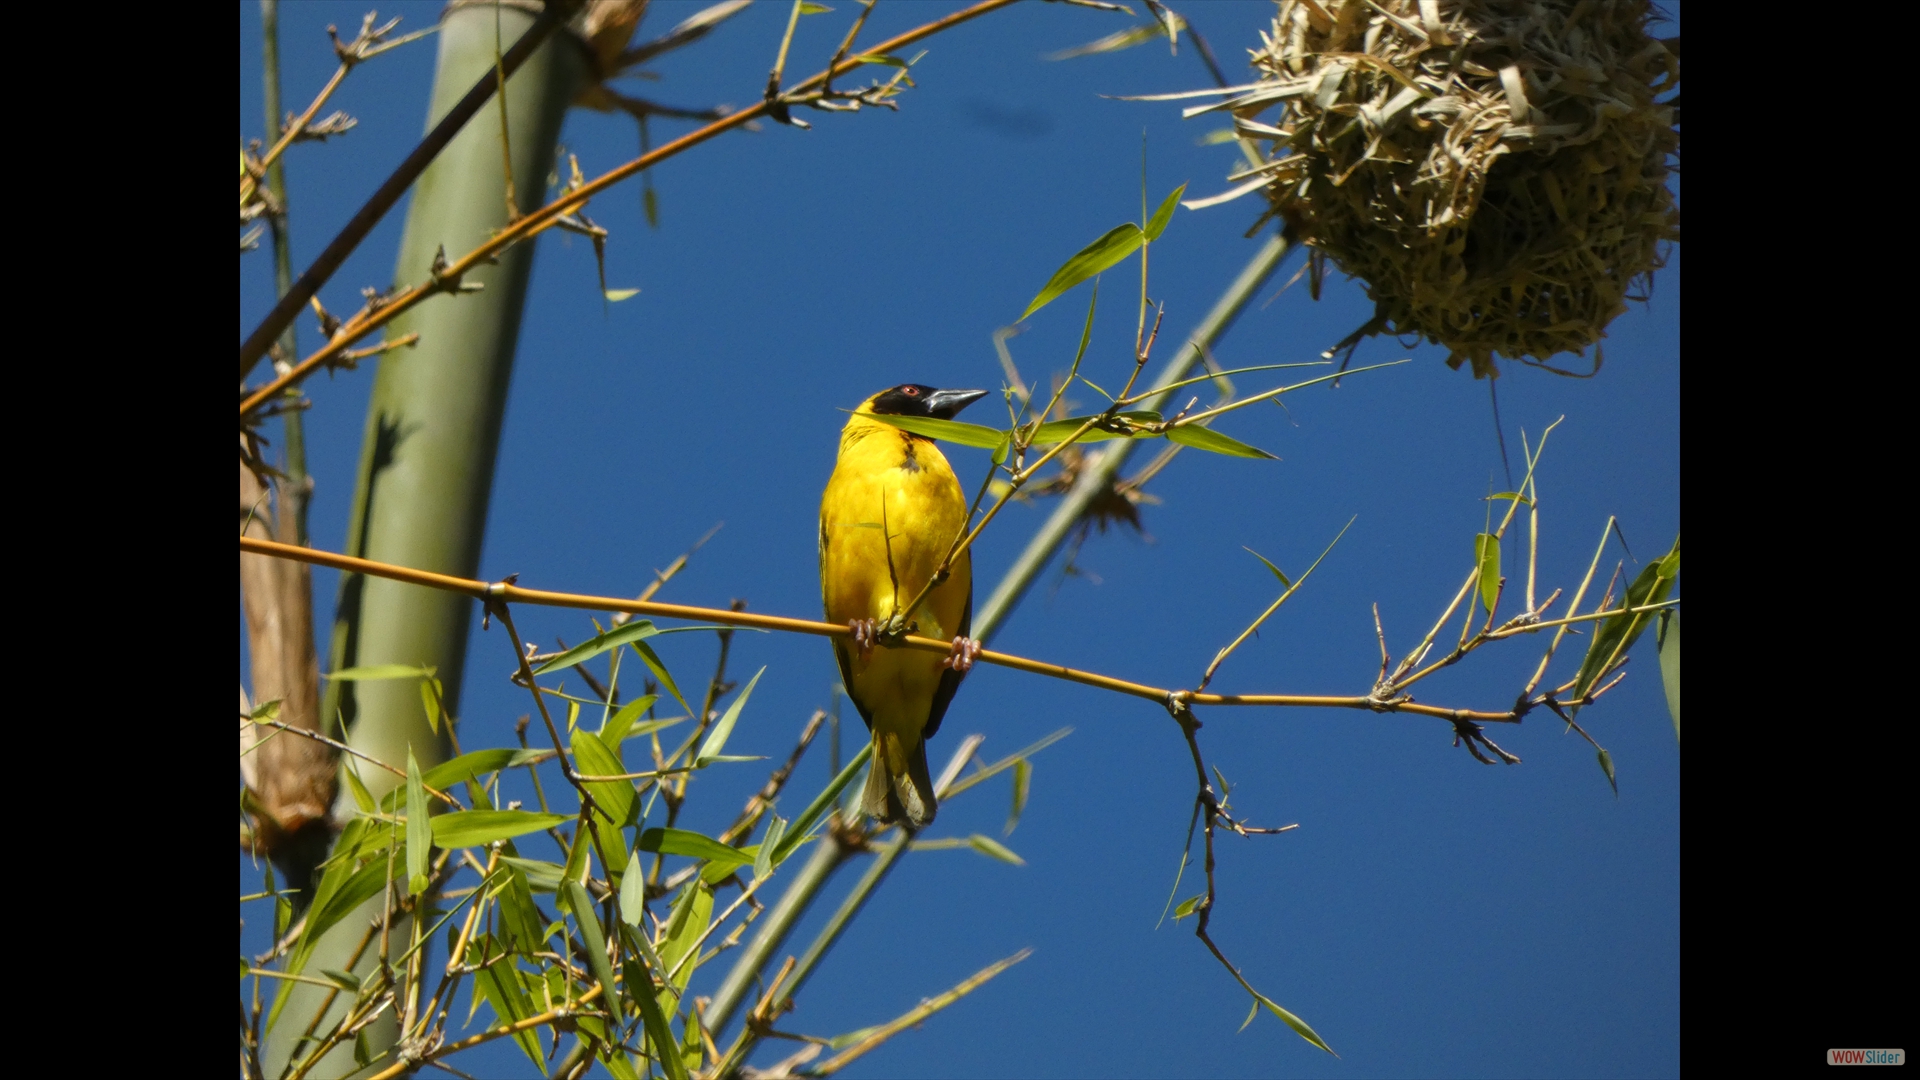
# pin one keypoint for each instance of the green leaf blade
(593, 938)
(994, 849)
(637, 630)
(665, 841)
(478, 828)
(1118, 243)
(1157, 224)
(1213, 442)
(717, 738)
(1486, 555)
(1618, 633)
(1022, 783)
(953, 431)
(419, 831)
(1668, 639)
(1298, 1025)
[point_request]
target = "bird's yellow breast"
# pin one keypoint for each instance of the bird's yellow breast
(890, 514)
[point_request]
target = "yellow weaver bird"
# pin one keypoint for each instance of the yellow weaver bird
(891, 512)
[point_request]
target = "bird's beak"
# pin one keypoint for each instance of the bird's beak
(946, 404)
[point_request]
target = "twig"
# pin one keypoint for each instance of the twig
(380, 202)
(345, 749)
(530, 225)
(501, 593)
(913, 1017)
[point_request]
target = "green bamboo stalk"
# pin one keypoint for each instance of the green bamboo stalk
(433, 428)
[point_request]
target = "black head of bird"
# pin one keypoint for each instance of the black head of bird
(891, 514)
(913, 399)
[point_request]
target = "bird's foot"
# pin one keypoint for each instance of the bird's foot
(865, 633)
(965, 651)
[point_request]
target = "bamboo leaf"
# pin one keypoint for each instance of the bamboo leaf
(520, 920)
(1086, 332)
(994, 849)
(430, 702)
(616, 800)
(1205, 438)
(1157, 224)
(1118, 243)
(651, 1015)
(717, 738)
(419, 832)
(1298, 1025)
(478, 828)
(594, 940)
(633, 891)
(362, 798)
(769, 844)
(652, 660)
(618, 1066)
(1486, 555)
(342, 889)
(637, 630)
(1618, 633)
(579, 859)
(1188, 907)
(542, 876)
(468, 766)
(693, 844)
(1270, 566)
(345, 980)
(1668, 639)
(692, 912)
(499, 984)
(1054, 431)
(616, 295)
(953, 431)
(615, 730)
(1022, 781)
(1114, 42)
(1606, 766)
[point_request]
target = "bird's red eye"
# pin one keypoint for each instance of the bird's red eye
(910, 391)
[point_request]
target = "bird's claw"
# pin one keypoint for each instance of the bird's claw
(865, 634)
(965, 651)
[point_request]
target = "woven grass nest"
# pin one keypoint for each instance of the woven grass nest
(1494, 170)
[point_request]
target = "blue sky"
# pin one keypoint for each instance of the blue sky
(1430, 916)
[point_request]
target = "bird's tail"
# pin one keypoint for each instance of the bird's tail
(898, 784)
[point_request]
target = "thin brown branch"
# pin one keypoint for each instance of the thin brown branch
(528, 226)
(400, 1068)
(376, 207)
(498, 594)
(345, 749)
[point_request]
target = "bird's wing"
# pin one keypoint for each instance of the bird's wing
(842, 651)
(949, 679)
(841, 647)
